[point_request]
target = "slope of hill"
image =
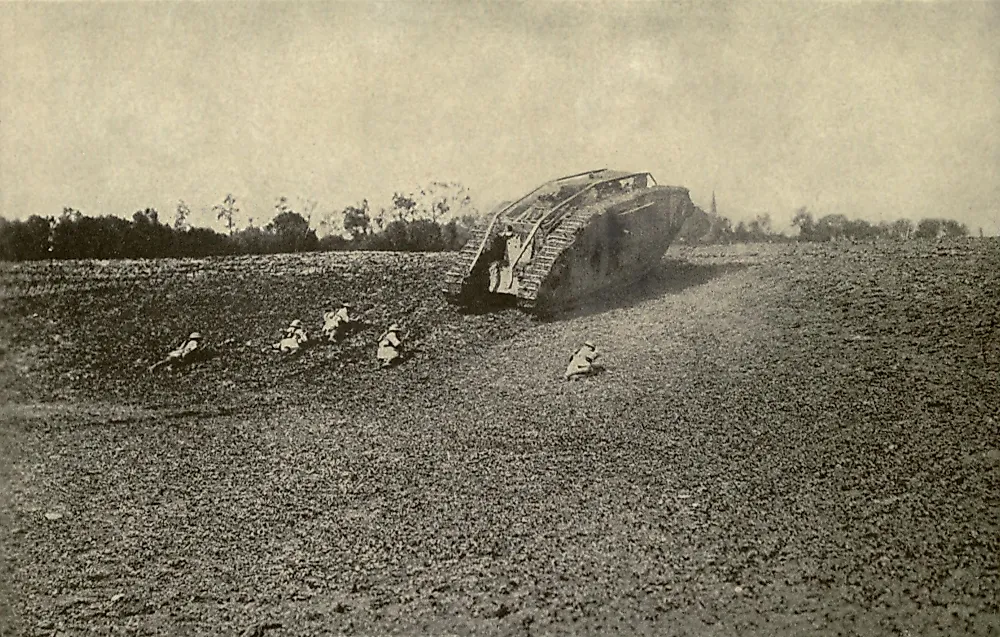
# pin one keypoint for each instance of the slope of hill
(788, 440)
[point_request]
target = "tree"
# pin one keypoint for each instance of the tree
(803, 220)
(181, 216)
(421, 235)
(146, 238)
(440, 200)
(760, 228)
(425, 236)
(928, 229)
(149, 216)
(307, 207)
(292, 232)
(331, 223)
(455, 234)
(859, 230)
(226, 211)
(70, 214)
(434, 202)
(24, 240)
(831, 227)
(288, 224)
(953, 229)
(403, 207)
(902, 229)
(357, 221)
(333, 242)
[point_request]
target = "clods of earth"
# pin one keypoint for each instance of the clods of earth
(788, 440)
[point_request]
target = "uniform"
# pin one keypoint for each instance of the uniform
(582, 362)
(295, 337)
(182, 354)
(389, 347)
(335, 322)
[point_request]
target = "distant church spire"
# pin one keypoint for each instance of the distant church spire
(715, 211)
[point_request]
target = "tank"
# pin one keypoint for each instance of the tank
(568, 239)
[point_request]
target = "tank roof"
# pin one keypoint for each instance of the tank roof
(602, 174)
(555, 191)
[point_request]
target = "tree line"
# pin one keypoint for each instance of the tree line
(434, 218)
(708, 228)
(438, 217)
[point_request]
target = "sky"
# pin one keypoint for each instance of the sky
(862, 108)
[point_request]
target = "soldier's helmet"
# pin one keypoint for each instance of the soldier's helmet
(194, 336)
(393, 328)
(589, 344)
(346, 304)
(296, 323)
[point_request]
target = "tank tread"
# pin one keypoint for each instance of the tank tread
(556, 242)
(454, 278)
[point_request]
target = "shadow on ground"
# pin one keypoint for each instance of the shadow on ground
(670, 277)
(488, 304)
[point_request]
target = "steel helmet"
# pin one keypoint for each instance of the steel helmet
(296, 323)
(194, 336)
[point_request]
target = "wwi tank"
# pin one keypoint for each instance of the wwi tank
(569, 238)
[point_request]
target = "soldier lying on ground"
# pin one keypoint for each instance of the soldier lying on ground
(295, 337)
(337, 324)
(184, 354)
(582, 363)
(390, 347)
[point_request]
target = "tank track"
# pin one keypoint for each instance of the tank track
(555, 243)
(454, 279)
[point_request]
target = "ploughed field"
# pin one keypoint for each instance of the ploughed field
(788, 440)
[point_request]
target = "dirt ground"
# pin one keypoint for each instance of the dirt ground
(788, 440)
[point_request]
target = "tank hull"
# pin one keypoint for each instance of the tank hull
(617, 247)
(569, 239)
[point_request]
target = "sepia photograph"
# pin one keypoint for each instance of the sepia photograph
(452, 318)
